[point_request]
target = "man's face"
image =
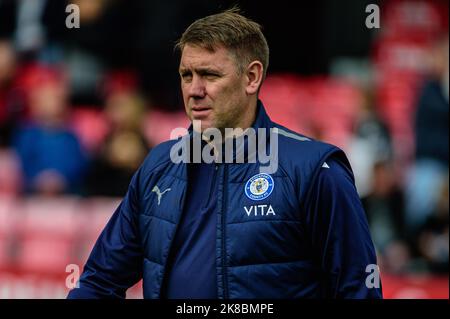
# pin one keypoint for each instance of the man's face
(213, 89)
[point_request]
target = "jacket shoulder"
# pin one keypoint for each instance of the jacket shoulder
(301, 157)
(158, 156)
(294, 146)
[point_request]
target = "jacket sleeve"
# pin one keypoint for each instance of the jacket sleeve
(115, 263)
(339, 234)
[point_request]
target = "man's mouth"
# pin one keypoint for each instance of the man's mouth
(200, 111)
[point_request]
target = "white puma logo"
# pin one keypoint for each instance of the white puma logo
(158, 192)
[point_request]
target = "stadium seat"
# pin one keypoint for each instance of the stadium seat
(55, 217)
(44, 255)
(5, 256)
(83, 120)
(96, 213)
(159, 125)
(9, 210)
(415, 18)
(286, 98)
(10, 173)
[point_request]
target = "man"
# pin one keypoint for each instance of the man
(226, 230)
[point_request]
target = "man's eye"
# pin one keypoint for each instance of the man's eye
(186, 76)
(211, 75)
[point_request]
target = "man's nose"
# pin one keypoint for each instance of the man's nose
(197, 88)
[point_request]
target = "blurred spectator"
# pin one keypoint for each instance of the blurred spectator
(384, 209)
(10, 174)
(372, 155)
(52, 159)
(430, 171)
(89, 49)
(7, 76)
(432, 241)
(396, 258)
(125, 146)
(30, 33)
(369, 145)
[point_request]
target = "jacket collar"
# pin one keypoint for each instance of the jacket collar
(262, 120)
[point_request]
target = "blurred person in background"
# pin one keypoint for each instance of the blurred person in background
(429, 173)
(21, 21)
(11, 111)
(432, 241)
(39, 33)
(370, 143)
(7, 73)
(12, 96)
(371, 155)
(91, 50)
(52, 159)
(384, 206)
(125, 146)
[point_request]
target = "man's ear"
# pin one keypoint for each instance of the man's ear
(254, 77)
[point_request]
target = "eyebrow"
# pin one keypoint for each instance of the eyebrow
(201, 70)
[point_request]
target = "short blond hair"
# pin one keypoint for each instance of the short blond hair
(240, 35)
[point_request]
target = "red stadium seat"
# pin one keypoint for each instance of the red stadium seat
(10, 173)
(96, 214)
(320, 107)
(417, 18)
(101, 210)
(46, 234)
(44, 255)
(54, 217)
(90, 126)
(5, 256)
(8, 216)
(287, 100)
(159, 125)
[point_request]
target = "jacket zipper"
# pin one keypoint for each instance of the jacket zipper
(224, 209)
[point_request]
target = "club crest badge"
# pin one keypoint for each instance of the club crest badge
(259, 186)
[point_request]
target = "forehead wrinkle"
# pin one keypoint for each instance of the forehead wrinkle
(200, 66)
(204, 61)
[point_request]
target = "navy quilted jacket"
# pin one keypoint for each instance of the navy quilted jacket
(295, 252)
